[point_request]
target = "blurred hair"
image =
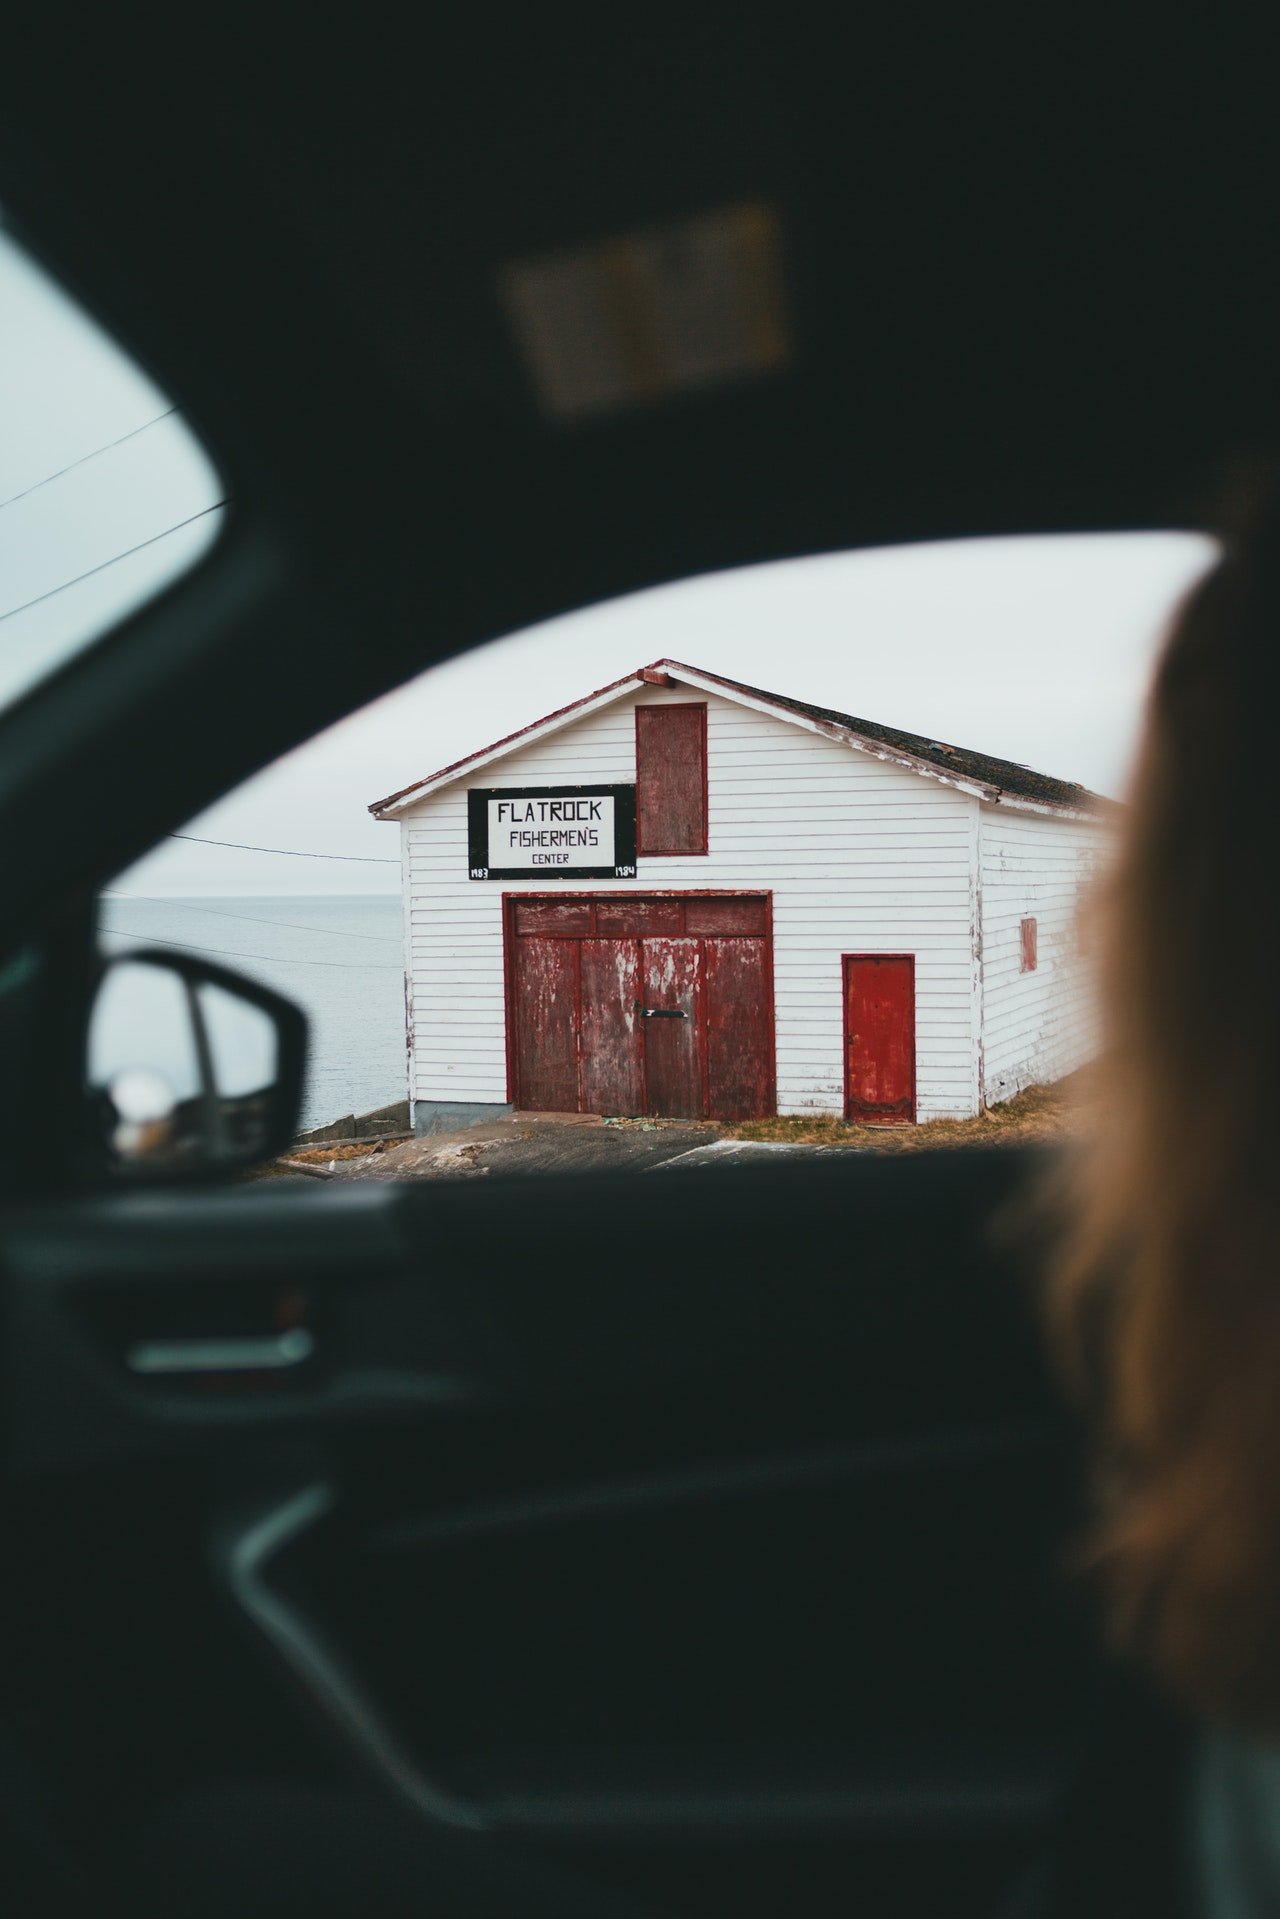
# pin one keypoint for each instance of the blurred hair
(1166, 1303)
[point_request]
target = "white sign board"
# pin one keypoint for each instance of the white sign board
(563, 832)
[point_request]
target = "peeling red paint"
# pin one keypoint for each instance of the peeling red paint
(623, 1005)
(880, 1038)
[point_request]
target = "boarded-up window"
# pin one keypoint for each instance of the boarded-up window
(671, 779)
(1029, 933)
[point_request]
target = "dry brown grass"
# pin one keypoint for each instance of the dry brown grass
(318, 1158)
(350, 1149)
(1042, 1112)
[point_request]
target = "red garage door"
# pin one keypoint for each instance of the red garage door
(620, 1004)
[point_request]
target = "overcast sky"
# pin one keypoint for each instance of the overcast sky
(1036, 649)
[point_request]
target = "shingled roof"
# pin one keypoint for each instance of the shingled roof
(1007, 776)
(995, 779)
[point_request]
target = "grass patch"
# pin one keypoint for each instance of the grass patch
(1041, 1112)
(351, 1149)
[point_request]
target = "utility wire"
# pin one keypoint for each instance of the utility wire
(103, 564)
(368, 859)
(223, 952)
(97, 451)
(288, 852)
(189, 906)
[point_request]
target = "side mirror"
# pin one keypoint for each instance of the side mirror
(191, 1071)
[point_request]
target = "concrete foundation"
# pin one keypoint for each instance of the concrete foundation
(446, 1116)
(383, 1120)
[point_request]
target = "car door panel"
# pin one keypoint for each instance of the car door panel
(557, 1536)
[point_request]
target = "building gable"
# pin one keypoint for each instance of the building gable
(979, 775)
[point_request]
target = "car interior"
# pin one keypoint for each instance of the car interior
(695, 1547)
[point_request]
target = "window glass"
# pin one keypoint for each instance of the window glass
(852, 777)
(106, 495)
(142, 1023)
(242, 1042)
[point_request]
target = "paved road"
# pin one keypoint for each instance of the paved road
(563, 1143)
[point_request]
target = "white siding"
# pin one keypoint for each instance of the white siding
(406, 904)
(1043, 1024)
(861, 856)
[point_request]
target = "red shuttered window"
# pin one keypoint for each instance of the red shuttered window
(671, 779)
(1029, 941)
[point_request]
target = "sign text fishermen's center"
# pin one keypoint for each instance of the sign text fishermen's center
(551, 832)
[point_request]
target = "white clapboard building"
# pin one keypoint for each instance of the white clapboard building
(683, 896)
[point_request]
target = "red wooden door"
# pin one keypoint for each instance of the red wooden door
(624, 1005)
(739, 1014)
(880, 1039)
(672, 1017)
(547, 1024)
(612, 1066)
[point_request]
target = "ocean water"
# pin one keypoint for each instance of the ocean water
(338, 956)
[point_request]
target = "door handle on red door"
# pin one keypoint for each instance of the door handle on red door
(663, 1012)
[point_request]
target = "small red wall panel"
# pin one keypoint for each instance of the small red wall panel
(1030, 945)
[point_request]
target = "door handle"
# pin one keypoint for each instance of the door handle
(663, 1012)
(271, 1353)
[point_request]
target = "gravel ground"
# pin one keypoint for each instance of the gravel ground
(534, 1143)
(582, 1142)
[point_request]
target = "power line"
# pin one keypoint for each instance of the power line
(72, 465)
(103, 564)
(223, 952)
(287, 852)
(189, 906)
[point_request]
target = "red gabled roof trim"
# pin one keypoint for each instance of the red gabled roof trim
(991, 777)
(508, 739)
